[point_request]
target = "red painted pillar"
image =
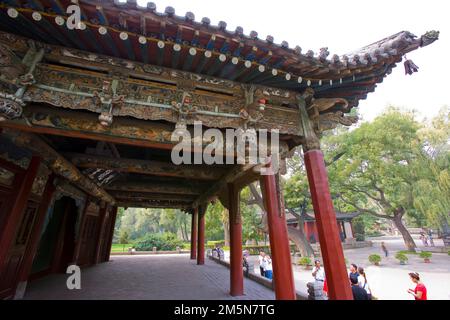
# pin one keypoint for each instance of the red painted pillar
(201, 236)
(194, 234)
(330, 242)
(110, 237)
(306, 230)
(23, 184)
(33, 241)
(283, 276)
(100, 232)
(236, 271)
(79, 240)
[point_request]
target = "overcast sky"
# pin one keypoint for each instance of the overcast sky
(344, 26)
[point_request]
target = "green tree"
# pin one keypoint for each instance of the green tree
(214, 222)
(380, 167)
(124, 239)
(432, 189)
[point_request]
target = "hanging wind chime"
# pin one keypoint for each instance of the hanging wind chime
(410, 66)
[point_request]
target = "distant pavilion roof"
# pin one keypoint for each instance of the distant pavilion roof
(132, 32)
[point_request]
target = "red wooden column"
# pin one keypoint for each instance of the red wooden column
(330, 242)
(79, 239)
(100, 231)
(110, 237)
(33, 242)
(236, 271)
(201, 235)
(283, 276)
(194, 234)
(23, 184)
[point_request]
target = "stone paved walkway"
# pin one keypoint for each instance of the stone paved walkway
(161, 277)
(390, 280)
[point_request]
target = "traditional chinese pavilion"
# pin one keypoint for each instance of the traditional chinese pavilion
(87, 113)
(309, 224)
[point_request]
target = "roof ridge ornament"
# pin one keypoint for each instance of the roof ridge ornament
(429, 37)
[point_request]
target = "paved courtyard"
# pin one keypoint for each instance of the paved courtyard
(390, 280)
(152, 277)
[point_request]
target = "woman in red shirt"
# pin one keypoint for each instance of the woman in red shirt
(420, 292)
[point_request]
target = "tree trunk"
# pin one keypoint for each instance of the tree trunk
(409, 241)
(298, 237)
(226, 228)
(295, 235)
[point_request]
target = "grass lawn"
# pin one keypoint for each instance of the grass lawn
(120, 247)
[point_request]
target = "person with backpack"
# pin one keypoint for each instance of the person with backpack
(362, 282)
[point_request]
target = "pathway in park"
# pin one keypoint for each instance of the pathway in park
(153, 277)
(390, 280)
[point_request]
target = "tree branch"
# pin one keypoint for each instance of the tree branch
(372, 212)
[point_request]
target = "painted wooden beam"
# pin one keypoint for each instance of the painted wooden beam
(147, 167)
(57, 163)
(235, 173)
(155, 205)
(86, 126)
(155, 187)
(205, 58)
(123, 196)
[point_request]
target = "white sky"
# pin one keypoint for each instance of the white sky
(344, 26)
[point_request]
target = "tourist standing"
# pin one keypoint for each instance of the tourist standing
(319, 277)
(245, 266)
(420, 291)
(423, 237)
(268, 267)
(261, 258)
(358, 292)
(362, 282)
(430, 236)
(385, 250)
(353, 272)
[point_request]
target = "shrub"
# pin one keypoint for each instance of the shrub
(400, 256)
(407, 252)
(359, 228)
(373, 233)
(164, 242)
(425, 255)
(214, 243)
(304, 261)
(374, 258)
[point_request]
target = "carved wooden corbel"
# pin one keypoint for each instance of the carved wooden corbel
(184, 108)
(310, 138)
(328, 121)
(108, 100)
